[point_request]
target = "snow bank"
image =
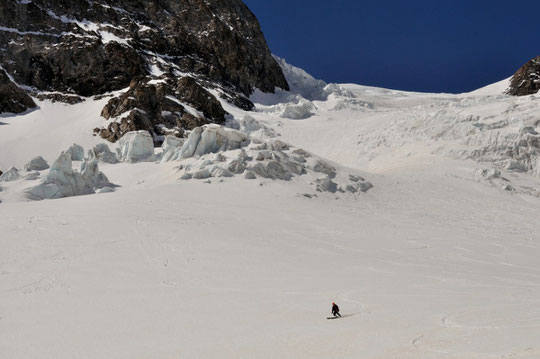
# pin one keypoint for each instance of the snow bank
(36, 164)
(136, 146)
(62, 181)
(251, 127)
(299, 111)
(10, 175)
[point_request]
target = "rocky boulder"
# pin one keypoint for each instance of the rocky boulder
(12, 98)
(526, 81)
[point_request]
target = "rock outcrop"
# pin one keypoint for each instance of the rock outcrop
(12, 98)
(157, 107)
(526, 81)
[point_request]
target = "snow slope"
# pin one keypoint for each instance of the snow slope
(53, 128)
(433, 262)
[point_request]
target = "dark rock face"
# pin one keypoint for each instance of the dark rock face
(188, 90)
(155, 106)
(526, 81)
(12, 98)
(91, 47)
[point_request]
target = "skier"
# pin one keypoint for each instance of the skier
(335, 310)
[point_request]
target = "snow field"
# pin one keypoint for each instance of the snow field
(436, 261)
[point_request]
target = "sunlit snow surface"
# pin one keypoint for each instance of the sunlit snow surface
(431, 263)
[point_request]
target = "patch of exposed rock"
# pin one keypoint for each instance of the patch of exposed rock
(59, 97)
(12, 98)
(526, 81)
(157, 107)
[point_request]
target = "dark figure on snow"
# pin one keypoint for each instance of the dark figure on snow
(335, 310)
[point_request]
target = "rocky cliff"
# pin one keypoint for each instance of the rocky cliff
(88, 48)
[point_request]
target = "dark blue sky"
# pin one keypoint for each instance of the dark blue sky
(420, 45)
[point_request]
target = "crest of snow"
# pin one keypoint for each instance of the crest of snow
(302, 83)
(136, 146)
(12, 30)
(496, 89)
